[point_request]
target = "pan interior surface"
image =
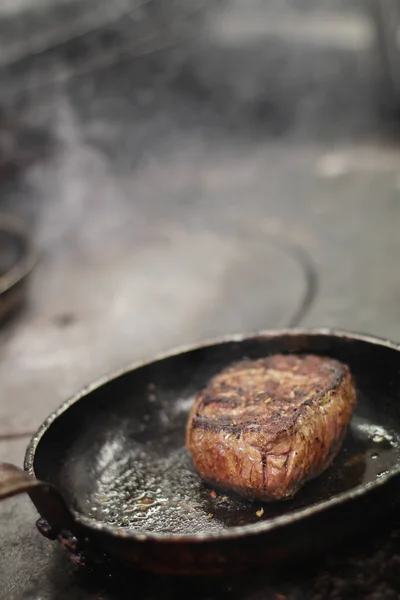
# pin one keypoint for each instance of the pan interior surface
(118, 454)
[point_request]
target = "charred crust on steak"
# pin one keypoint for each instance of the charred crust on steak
(288, 400)
(263, 427)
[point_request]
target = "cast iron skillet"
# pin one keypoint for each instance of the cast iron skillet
(114, 480)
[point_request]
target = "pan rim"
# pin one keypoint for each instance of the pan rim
(26, 261)
(253, 529)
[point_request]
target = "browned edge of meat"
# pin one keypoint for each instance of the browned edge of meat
(263, 428)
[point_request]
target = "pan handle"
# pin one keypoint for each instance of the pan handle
(45, 497)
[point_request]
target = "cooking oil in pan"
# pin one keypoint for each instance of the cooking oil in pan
(146, 482)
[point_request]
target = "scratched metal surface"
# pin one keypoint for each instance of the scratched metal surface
(224, 183)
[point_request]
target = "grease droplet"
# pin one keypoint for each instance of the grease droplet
(378, 439)
(146, 501)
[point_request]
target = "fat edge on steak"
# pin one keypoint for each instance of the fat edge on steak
(263, 428)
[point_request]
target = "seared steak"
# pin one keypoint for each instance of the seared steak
(264, 427)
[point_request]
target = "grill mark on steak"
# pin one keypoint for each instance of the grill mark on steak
(248, 423)
(263, 427)
(220, 400)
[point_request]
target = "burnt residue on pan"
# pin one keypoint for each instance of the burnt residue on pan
(152, 492)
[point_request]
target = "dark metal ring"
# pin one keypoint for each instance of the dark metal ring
(18, 257)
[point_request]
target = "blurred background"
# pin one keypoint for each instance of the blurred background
(189, 169)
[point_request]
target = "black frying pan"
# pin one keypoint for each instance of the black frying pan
(111, 478)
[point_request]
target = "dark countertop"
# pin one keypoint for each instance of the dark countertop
(178, 194)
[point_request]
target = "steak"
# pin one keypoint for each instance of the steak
(263, 428)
